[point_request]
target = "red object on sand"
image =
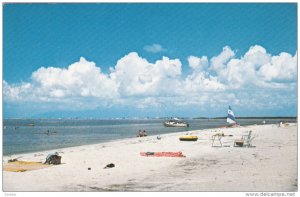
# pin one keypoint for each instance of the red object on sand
(162, 154)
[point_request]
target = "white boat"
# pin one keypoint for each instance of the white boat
(175, 123)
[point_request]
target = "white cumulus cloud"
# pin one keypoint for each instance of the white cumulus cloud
(257, 55)
(218, 63)
(280, 68)
(198, 63)
(81, 79)
(136, 76)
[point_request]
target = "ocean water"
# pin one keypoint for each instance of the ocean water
(30, 135)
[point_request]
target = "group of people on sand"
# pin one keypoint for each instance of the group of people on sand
(141, 133)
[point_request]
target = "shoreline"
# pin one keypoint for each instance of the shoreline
(13, 147)
(109, 141)
(202, 165)
(121, 139)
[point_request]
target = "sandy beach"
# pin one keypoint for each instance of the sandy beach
(269, 166)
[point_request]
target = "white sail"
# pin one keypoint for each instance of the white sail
(230, 116)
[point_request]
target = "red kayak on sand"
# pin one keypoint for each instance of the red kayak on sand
(162, 154)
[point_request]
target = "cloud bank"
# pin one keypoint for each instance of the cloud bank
(255, 79)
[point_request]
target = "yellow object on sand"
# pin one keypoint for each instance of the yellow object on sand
(188, 138)
(22, 166)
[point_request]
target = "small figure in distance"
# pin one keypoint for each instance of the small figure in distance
(144, 133)
(139, 134)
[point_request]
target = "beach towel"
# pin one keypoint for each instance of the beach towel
(162, 154)
(22, 166)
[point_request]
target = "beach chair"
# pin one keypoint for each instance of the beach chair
(217, 136)
(245, 141)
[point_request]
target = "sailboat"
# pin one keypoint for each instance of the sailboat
(231, 118)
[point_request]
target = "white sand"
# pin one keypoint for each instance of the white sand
(270, 166)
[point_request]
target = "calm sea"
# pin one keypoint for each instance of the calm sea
(30, 135)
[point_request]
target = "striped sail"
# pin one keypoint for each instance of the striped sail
(230, 116)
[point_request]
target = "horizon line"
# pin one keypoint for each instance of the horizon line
(163, 117)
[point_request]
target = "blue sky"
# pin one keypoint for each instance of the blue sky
(206, 45)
